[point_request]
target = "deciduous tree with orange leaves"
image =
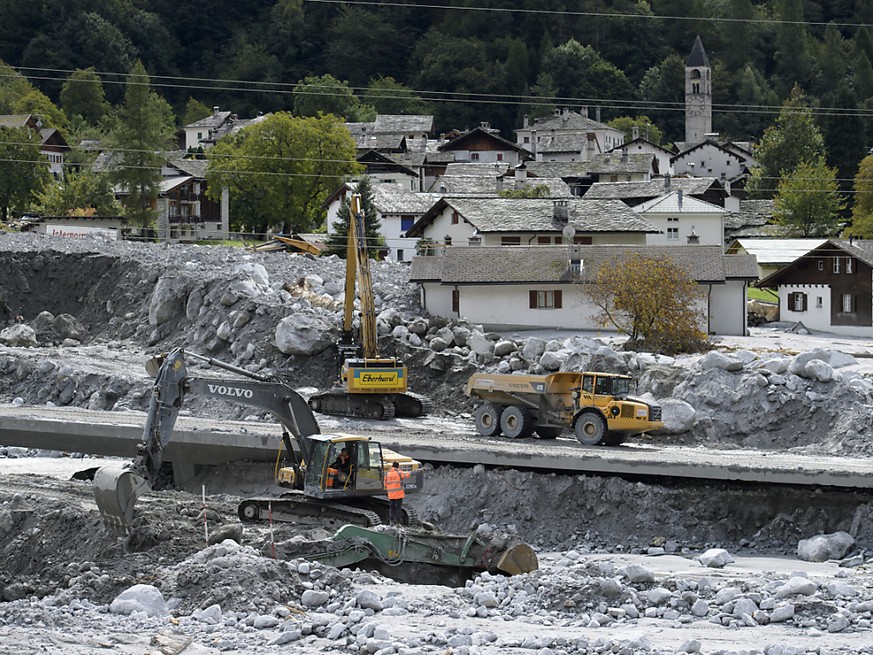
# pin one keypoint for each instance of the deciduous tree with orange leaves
(652, 299)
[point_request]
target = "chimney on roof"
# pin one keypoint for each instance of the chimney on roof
(525, 121)
(679, 198)
(693, 238)
(597, 114)
(584, 111)
(520, 178)
(561, 211)
(533, 144)
(557, 112)
(635, 132)
(667, 181)
(215, 110)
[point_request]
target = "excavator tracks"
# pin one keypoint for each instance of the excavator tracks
(381, 407)
(295, 507)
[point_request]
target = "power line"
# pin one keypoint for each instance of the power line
(286, 88)
(587, 14)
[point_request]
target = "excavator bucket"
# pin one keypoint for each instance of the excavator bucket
(116, 489)
(517, 559)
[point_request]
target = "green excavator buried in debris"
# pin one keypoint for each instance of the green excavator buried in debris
(318, 492)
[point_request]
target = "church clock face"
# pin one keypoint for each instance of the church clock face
(695, 108)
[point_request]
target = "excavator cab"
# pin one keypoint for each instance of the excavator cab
(325, 477)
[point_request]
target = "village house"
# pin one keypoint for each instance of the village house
(682, 219)
(490, 221)
(52, 145)
(772, 254)
(204, 133)
(707, 189)
(567, 136)
(530, 287)
(640, 145)
(829, 288)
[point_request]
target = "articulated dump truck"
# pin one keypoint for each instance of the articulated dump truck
(598, 407)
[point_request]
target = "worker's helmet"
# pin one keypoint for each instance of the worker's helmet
(396, 465)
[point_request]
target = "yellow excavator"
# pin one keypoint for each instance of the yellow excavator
(368, 385)
(316, 490)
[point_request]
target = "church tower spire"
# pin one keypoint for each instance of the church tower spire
(698, 95)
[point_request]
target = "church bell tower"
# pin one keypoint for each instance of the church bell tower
(698, 95)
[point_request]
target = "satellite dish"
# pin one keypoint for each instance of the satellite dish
(569, 232)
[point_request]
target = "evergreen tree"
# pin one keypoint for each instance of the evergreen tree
(862, 209)
(793, 139)
(337, 243)
(792, 59)
(83, 95)
(808, 201)
(140, 139)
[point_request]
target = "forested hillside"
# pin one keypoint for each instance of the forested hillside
(478, 60)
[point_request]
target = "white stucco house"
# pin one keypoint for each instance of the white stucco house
(490, 221)
(543, 286)
(681, 219)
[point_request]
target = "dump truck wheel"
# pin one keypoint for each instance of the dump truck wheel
(487, 418)
(516, 422)
(548, 432)
(590, 428)
(614, 438)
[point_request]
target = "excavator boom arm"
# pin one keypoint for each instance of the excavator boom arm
(117, 489)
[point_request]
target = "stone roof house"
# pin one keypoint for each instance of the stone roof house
(454, 221)
(543, 286)
(683, 219)
(204, 133)
(567, 136)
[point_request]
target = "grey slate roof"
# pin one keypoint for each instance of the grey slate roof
(618, 163)
(698, 54)
(562, 169)
(372, 141)
(471, 168)
(194, 167)
(403, 124)
(561, 143)
(398, 199)
(537, 215)
(651, 189)
(754, 219)
(213, 121)
(549, 264)
(569, 120)
(673, 203)
(465, 185)
(557, 187)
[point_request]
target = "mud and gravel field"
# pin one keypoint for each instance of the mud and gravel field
(626, 566)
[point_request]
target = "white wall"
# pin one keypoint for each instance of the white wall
(708, 161)
(709, 228)
(815, 317)
(727, 308)
(508, 306)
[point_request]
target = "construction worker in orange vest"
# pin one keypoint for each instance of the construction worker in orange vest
(394, 486)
